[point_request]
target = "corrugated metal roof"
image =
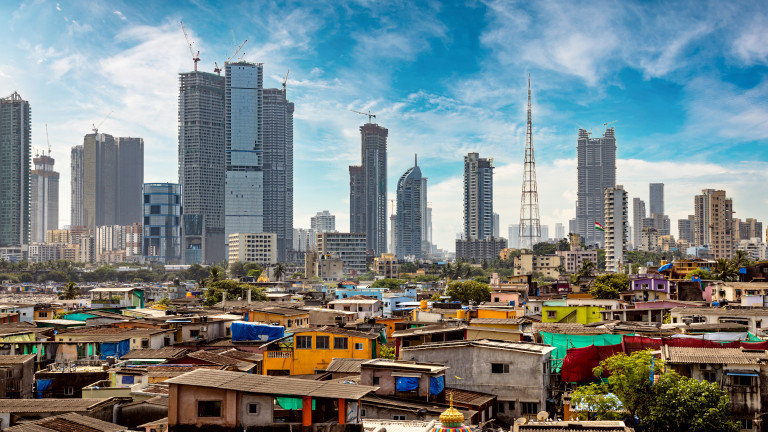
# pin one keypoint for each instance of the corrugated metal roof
(67, 423)
(345, 365)
(400, 364)
(263, 384)
(15, 359)
(48, 405)
(527, 347)
(160, 353)
(714, 355)
(337, 331)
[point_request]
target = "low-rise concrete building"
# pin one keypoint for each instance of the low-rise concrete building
(547, 265)
(208, 399)
(365, 307)
(260, 248)
(386, 265)
(517, 373)
(755, 318)
(17, 373)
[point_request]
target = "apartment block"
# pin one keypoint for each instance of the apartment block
(616, 227)
(349, 247)
(260, 248)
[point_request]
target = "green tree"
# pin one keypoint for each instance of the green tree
(252, 266)
(297, 275)
(608, 286)
(390, 283)
(468, 291)
(563, 244)
(254, 272)
(165, 301)
(279, 271)
(71, 291)
(386, 352)
(701, 273)
(601, 259)
(26, 277)
(725, 270)
(544, 248)
(236, 269)
(741, 259)
(587, 269)
(408, 268)
(673, 403)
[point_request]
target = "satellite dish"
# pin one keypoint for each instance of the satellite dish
(542, 415)
(521, 421)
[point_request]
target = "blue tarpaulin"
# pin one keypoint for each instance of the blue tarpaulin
(407, 384)
(115, 349)
(43, 385)
(436, 385)
(245, 331)
(665, 267)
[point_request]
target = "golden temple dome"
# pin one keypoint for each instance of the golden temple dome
(451, 417)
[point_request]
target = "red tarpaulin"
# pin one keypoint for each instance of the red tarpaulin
(579, 362)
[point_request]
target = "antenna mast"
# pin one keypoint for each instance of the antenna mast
(530, 225)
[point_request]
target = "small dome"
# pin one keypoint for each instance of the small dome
(451, 417)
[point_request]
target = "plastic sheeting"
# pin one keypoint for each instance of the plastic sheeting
(42, 385)
(564, 342)
(578, 364)
(245, 331)
(115, 349)
(405, 384)
(291, 403)
(436, 385)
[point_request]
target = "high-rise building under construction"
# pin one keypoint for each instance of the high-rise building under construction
(596, 172)
(368, 189)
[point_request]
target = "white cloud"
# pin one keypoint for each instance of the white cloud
(120, 14)
(58, 8)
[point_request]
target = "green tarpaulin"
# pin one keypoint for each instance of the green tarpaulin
(563, 342)
(290, 403)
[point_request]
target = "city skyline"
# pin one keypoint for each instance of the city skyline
(679, 93)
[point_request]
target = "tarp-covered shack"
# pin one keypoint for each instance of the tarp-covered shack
(245, 331)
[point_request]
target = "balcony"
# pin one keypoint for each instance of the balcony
(279, 354)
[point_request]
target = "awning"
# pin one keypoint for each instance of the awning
(406, 375)
(749, 374)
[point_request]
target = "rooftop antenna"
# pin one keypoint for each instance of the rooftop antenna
(195, 57)
(370, 116)
(96, 128)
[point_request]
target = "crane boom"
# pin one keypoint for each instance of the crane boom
(48, 139)
(195, 57)
(370, 116)
(96, 128)
(285, 80)
(605, 125)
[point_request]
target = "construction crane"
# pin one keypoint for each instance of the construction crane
(605, 125)
(96, 128)
(195, 57)
(285, 80)
(370, 116)
(216, 68)
(237, 48)
(48, 139)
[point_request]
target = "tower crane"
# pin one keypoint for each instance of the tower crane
(605, 125)
(370, 116)
(285, 81)
(237, 48)
(195, 57)
(48, 139)
(96, 128)
(216, 68)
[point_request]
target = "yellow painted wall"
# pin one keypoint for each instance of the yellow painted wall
(306, 361)
(501, 326)
(50, 313)
(495, 313)
(583, 315)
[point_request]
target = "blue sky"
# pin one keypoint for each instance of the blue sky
(684, 81)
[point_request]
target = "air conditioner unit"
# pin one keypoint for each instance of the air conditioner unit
(204, 328)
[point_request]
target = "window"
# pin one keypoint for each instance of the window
(745, 423)
(127, 379)
(43, 314)
(253, 408)
(209, 408)
(740, 380)
(362, 412)
(511, 405)
(359, 346)
(398, 417)
(376, 380)
(155, 209)
(710, 376)
(303, 342)
(69, 391)
(530, 408)
(288, 323)
(340, 343)
(551, 314)
(145, 343)
(322, 342)
(500, 408)
(499, 368)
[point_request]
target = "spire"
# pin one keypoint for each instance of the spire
(415, 159)
(530, 225)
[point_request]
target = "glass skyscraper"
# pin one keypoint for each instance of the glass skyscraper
(15, 142)
(162, 223)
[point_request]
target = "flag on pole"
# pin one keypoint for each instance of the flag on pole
(599, 226)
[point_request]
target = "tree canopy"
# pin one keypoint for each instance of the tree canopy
(608, 286)
(390, 283)
(468, 291)
(671, 403)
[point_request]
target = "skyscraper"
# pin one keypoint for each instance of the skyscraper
(615, 228)
(244, 144)
(44, 202)
(278, 169)
(656, 198)
(496, 227)
(638, 214)
(202, 166)
(15, 142)
(162, 223)
(713, 223)
(76, 187)
(368, 189)
(596, 172)
(685, 228)
(544, 236)
(530, 225)
(410, 216)
(478, 197)
(559, 231)
(514, 236)
(113, 172)
(323, 221)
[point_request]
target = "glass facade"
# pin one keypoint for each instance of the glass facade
(162, 223)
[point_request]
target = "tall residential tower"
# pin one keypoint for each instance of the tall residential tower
(478, 197)
(44, 202)
(368, 189)
(15, 143)
(411, 195)
(596, 172)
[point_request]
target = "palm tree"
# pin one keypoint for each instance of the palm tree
(587, 269)
(725, 270)
(71, 291)
(741, 259)
(214, 274)
(278, 270)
